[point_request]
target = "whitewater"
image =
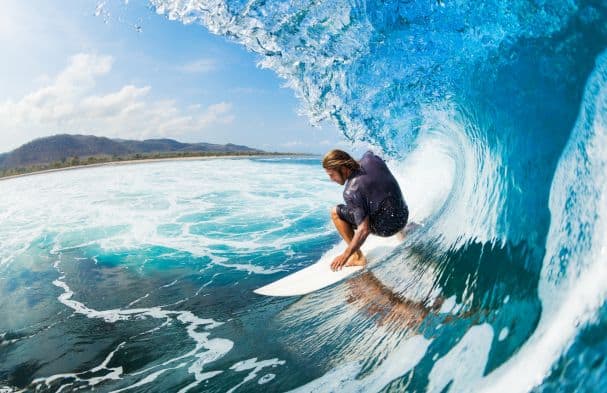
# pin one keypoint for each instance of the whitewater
(492, 116)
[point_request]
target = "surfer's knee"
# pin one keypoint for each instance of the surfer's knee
(334, 215)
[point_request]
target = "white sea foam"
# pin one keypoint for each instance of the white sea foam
(205, 350)
(150, 378)
(135, 206)
(138, 300)
(472, 351)
(266, 378)
(169, 284)
(254, 365)
(459, 189)
(448, 305)
(503, 334)
(343, 378)
(111, 373)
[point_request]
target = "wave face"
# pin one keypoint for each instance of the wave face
(509, 99)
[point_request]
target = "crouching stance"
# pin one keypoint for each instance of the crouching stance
(374, 203)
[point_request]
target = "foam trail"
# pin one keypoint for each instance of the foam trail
(114, 373)
(170, 284)
(215, 348)
(150, 378)
(255, 366)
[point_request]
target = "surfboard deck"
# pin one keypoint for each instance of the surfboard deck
(320, 275)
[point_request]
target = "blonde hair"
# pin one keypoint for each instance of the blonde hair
(335, 159)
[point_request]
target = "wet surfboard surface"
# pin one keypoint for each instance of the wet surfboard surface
(319, 275)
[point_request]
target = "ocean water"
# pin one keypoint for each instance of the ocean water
(142, 275)
(492, 115)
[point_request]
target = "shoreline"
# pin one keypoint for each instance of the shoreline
(150, 160)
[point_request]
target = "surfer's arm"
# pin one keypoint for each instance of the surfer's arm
(360, 235)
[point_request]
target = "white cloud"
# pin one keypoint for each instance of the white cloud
(199, 66)
(70, 102)
(218, 113)
(126, 100)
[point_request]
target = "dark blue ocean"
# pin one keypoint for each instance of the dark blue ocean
(493, 117)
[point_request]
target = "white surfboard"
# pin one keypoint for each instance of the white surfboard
(320, 275)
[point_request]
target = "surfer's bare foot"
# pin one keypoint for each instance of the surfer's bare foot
(410, 227)
(400, 235)
(357, 259)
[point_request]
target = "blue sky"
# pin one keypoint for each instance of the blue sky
(117, 69)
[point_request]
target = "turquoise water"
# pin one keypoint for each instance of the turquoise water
(115, 276)
(492, 115)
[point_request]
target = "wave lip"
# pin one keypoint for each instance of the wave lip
(369, 66)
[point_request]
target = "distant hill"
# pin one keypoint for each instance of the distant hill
(63, 147)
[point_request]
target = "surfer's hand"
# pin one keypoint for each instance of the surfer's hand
(339, 262)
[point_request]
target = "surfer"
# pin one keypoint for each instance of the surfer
(374, 203)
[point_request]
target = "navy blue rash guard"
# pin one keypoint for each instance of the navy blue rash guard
(373, 191)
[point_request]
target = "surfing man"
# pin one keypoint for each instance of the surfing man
(374, 203)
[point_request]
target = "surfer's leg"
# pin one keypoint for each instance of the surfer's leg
(346, 230)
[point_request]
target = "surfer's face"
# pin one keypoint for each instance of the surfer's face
(337, 176)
